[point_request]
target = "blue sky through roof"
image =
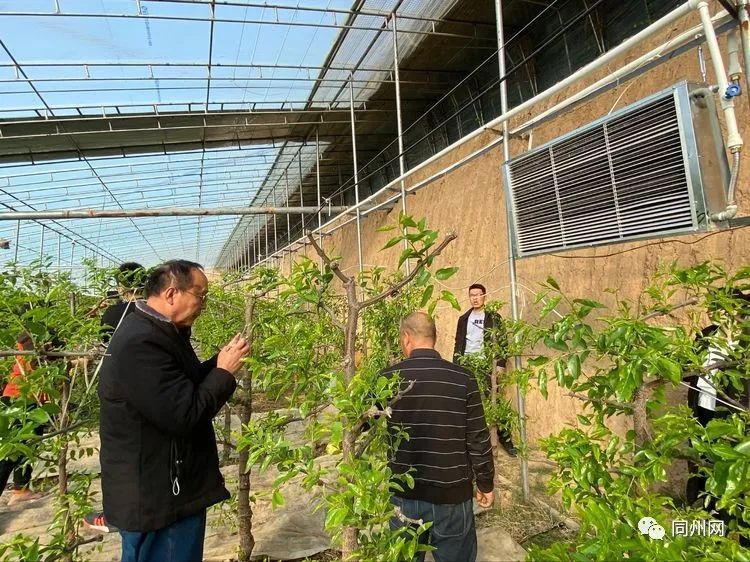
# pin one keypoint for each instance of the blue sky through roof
(112, 61)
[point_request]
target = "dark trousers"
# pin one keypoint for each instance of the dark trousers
(182, 541)
(21, 474)
(20, 468)
(696, 484)
(452, 533)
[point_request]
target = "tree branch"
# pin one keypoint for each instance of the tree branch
(326, 260)
(671, 309)
(52, 354)
(614, 403)
(395, 288)
(58, 432)
(698, 372)
(336, 322)
(376, 412)
(226, 442)
(94, 309)
(314, 412)
(404, 519)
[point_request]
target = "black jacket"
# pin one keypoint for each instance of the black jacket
(490, 321)
(449, 443)
(112, 316)
(158, 449)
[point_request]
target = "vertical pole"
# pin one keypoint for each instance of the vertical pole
(301, 193)
(59, 250)
(41, 244)
(275, 235)
(18, 237)
(265, 228)
(288, 216)
(356, 172)
(511, 251)
(317, 183)
(399, 124)
(72, 255)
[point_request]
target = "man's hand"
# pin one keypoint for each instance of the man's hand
(485, 499)
(230, 356)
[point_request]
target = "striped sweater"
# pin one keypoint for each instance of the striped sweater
(449, 443)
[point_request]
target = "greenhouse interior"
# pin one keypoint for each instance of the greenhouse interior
(375, 280)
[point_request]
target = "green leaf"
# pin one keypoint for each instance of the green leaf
(669, 369)
(743, 447)
(426, 295)
(552, 283)
(557, 345)
(277, 500)
(543, 384)
(549, 306)
(432, 307)
(385, 228)
(583, 420)
(407, 221)
(589, 303)
(450, 298)
(422, 277)
(574, 366)
(392, 242)
(39, 416)
(538, 361)
(445, 273)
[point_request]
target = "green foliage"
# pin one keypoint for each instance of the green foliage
(59, 315)
(300, 352)
(619, 360)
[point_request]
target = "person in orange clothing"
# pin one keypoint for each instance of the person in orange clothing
(19, 467)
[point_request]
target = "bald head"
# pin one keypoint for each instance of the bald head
(417, 331)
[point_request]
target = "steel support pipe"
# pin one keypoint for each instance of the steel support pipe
(356, 178)
(501, 55)
(183, 212)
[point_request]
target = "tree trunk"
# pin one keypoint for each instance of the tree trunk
(640, 416)
(226, 450)
(494, 440)
(244, 509)
(68, 527)
(349, 541)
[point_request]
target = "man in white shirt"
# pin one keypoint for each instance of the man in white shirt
(471, 330)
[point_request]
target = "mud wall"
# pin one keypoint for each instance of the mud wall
(470, 202)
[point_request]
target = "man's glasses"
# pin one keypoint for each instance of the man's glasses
(203, 298)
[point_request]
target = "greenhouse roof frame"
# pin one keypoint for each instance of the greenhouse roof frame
(159, 104)
(184, 148)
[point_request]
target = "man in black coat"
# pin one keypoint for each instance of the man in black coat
(160, 466)
(130, 276)
(472, 332)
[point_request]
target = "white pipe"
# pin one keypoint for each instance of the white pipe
(734, 140)
(719, 19)
(743, 7)
(733, 55)
(580, 74)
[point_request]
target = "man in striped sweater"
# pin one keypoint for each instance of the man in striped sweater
(448, 446)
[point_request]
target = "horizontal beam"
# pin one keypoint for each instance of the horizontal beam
(486, 38)
(169, 212)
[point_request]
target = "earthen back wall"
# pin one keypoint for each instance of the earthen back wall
(470, 202)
